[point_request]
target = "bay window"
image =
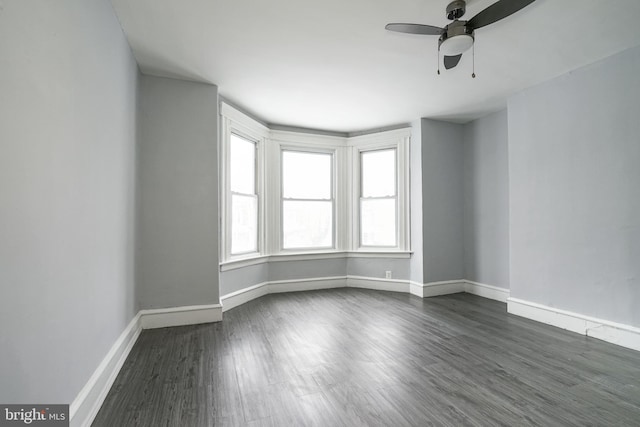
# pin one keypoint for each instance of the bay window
(293, 194)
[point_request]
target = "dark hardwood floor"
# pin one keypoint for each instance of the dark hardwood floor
(351, 357)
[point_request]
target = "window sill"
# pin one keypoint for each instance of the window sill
(311, 256)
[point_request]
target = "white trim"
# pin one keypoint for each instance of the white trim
(302, 139)
(398, 140)
(447, 287)
(381, 137)
(233, 121)
(180, 316)
(308, 256)
(297, 285)
(242, 120)
(421, 290)
(486, 291)
(309, 149)
(415, 288)
(87, 403)
(379, 254)
(241, 263)
(244, 295)
(234, 299)
(615, 333)
(342, 189)
(393, 285)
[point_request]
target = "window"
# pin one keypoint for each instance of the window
(244, 200)
(289, 195)
(242, 185)
(378, 198)
(307, 200)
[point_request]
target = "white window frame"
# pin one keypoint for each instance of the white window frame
(332, 199)
(397, 140)
(235, 122)
(293, 141)
(346, 184)
(362, 198)
(254, 195)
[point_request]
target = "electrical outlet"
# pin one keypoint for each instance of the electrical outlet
(387, 274)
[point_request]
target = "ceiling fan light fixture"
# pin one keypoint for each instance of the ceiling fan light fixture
(457, 37)
(456, 45)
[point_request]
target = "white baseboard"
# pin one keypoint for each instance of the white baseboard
(486, 291)
(425, 290)
(415, 288)
(392, 285)
(87, 403)
(250, 293)
(615, 333)
(242, 296)
(434, 289)
(297, 285)
(180, 316)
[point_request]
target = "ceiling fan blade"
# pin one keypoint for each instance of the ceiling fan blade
(497, 11)
(428, 30)
(451, 61)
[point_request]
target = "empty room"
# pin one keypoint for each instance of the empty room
(336, 213)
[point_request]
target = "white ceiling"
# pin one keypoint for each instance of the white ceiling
(331, 65)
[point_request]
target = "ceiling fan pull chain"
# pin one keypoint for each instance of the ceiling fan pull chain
(473, 57)
(438, 60)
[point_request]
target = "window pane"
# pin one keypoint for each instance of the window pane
(307, 224)
(306, 175)
(379, 173)
(243, 165)
(378, 222)
(244, 224)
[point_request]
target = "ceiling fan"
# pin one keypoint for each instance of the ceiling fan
(458, 36)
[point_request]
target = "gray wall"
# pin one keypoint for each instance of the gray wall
(241, 278)
(377, 267)
(178, 205)
(415, 184)
(574, 167)
(67, 194)
(486, 200)
(442, 200)
(292, 270)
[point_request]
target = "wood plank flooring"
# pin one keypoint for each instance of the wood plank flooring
(353, 357)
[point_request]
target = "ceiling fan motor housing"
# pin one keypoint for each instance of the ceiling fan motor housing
(457, 38)
(456, 9)
(455, 29)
